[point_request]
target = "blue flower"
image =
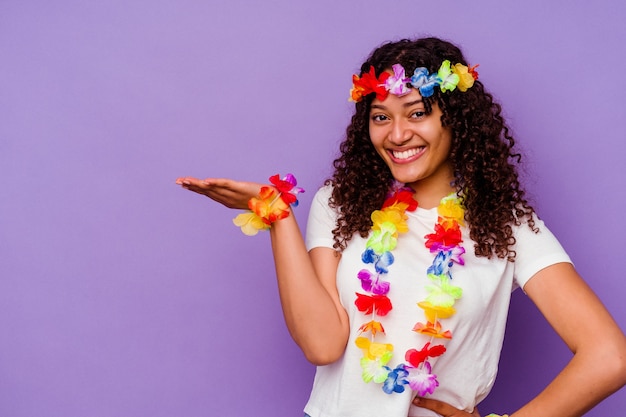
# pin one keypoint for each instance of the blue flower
(424, 82)
(381, 262)
(441, 264)
(396, 380)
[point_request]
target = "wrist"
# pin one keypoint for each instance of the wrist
(272, 204)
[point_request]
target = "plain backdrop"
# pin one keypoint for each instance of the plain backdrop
(122, 295)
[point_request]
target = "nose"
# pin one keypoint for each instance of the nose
(400, 132)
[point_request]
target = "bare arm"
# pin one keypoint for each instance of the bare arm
(598, 367)
(306, 281)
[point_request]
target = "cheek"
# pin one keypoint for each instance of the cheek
(444, 139)
(376, 136)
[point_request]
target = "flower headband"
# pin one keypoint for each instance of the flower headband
(447, 78)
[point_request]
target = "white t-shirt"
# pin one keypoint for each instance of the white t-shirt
(466, 372)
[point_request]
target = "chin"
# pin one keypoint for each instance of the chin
(407, 178)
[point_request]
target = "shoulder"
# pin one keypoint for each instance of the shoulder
(322, 220)
(324, 193)
(321, 199)
(536, 247)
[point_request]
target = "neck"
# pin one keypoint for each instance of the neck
(429, 191)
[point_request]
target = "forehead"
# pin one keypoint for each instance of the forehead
(408, 99)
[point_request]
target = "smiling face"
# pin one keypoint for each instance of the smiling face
(413, 144)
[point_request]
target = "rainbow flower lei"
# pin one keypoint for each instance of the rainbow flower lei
(272, 204)
(445, 244)
(447, 78)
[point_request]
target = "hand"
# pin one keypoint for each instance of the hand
(442, 408)
(230, 193)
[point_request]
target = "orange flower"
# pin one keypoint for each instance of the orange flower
(268, 206)
(432, 330)
(372, 326)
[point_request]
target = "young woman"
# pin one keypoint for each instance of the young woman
(401, 291)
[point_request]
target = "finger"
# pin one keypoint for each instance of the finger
(437, 406)
(187, 180)
(236, 189)
(195, 185)
(230, 193)
(219, 182)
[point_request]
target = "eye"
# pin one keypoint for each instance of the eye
(379, 118)
(418, 114)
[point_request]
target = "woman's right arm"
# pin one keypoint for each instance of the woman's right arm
(313, 313)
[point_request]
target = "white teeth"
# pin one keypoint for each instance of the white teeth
(406, 154)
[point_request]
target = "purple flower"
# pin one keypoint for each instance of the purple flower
(421, 379)
(373, 283)
(397, 83)
(456, 255)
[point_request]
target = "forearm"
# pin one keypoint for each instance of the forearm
(315, 320)
(584, 382)
(598, 367)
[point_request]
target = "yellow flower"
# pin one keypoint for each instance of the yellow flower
(466, 78)
(391, 215)
(434, 312)
(451, 208)
(372, 350)
(250, 223)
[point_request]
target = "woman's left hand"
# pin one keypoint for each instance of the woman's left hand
(442, 408)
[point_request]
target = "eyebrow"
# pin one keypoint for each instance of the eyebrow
(409, 104)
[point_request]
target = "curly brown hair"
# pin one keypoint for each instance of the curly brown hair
(482, 156)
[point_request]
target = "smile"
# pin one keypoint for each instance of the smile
(407, 154)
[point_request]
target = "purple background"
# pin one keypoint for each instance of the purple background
(123, 295)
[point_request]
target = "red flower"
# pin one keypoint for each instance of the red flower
(367, 304)
(472, 70)
(368, 83)
(415, 357)
(444, 238)
(281, 185)
(285, 187)
(402, 196)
